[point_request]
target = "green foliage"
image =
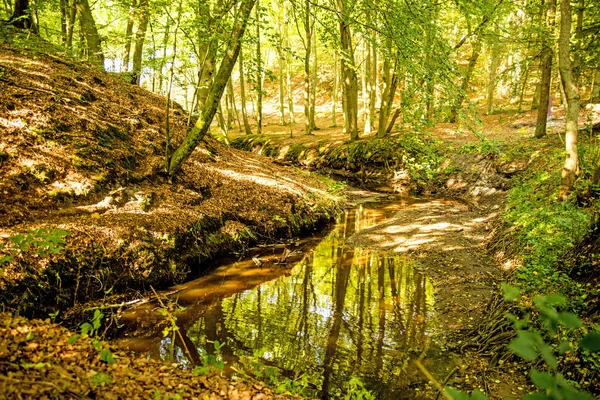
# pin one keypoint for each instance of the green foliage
(485, 147)
(91, 329)
(547, 229)
(100, 379)
(211, 361)
(548, 343)
(42, 242)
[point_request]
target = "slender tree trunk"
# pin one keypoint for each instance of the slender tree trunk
(216, 91)
(578, 40)
(546, 80)
(565, 66)
(387, 97)
(466, 79)
(129, 33)
(334, 95)
(140, 36)
(259, 79)
(372, 83)
(71, 24)
(313, 87)
(288, 78)
(247, 129)
(350, 86)
(281, 90)
(280, 20)
(366, 86)
(64, 20)
(308, 44)
(231, 96)
(169, 87)
(595, 92)
(163, 60)
(90, 31)
(491, 86)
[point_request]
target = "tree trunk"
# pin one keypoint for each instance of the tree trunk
(595, 92)
(140, 35)
(491, 86)
(64, 20)
(288, 78)
(233, 110)
(21, 17)
(313, 87)
(387, 97)
(259, 79)
(371, 82)
(334, 98)
(216, 91)
(281, 59)
(308, 48)
(129, 33)
(546, 80)
(565, 66)
(247, 129)
(350, 86)
(90, 31)
(71, 24)
(170, 86)
(163, 60)
(464, 87)
(578, 40)
(366, 87)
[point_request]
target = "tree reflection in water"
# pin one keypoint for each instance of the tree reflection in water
(343, 312)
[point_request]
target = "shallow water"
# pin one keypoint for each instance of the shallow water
(340, 313)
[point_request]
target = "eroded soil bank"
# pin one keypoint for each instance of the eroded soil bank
(81, 155)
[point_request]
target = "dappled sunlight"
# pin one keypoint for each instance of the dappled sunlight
(260, 180)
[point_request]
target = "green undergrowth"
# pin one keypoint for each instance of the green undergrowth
(545, 231)
(417, 153)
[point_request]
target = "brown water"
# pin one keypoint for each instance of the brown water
(340, 312)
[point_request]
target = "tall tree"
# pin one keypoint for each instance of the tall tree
(90, 31)
(348, 68)
(565, 67)
(140, 36)
(545, 83)
(216, 91)
(21, 17)
(129, 33)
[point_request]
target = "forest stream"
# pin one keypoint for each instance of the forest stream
(345, 311)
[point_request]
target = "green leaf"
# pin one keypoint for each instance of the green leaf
(5, 259)
(569, 320)
(29, 336)
(457, 394)
(525, 345)
(542, 380)
(591, 342)
(510, 292)
(100, 379)
(107, 356)
(548, 355)
(478, 395)
(564, 347)
(86, 328)
(555, 300)
(73, 339)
